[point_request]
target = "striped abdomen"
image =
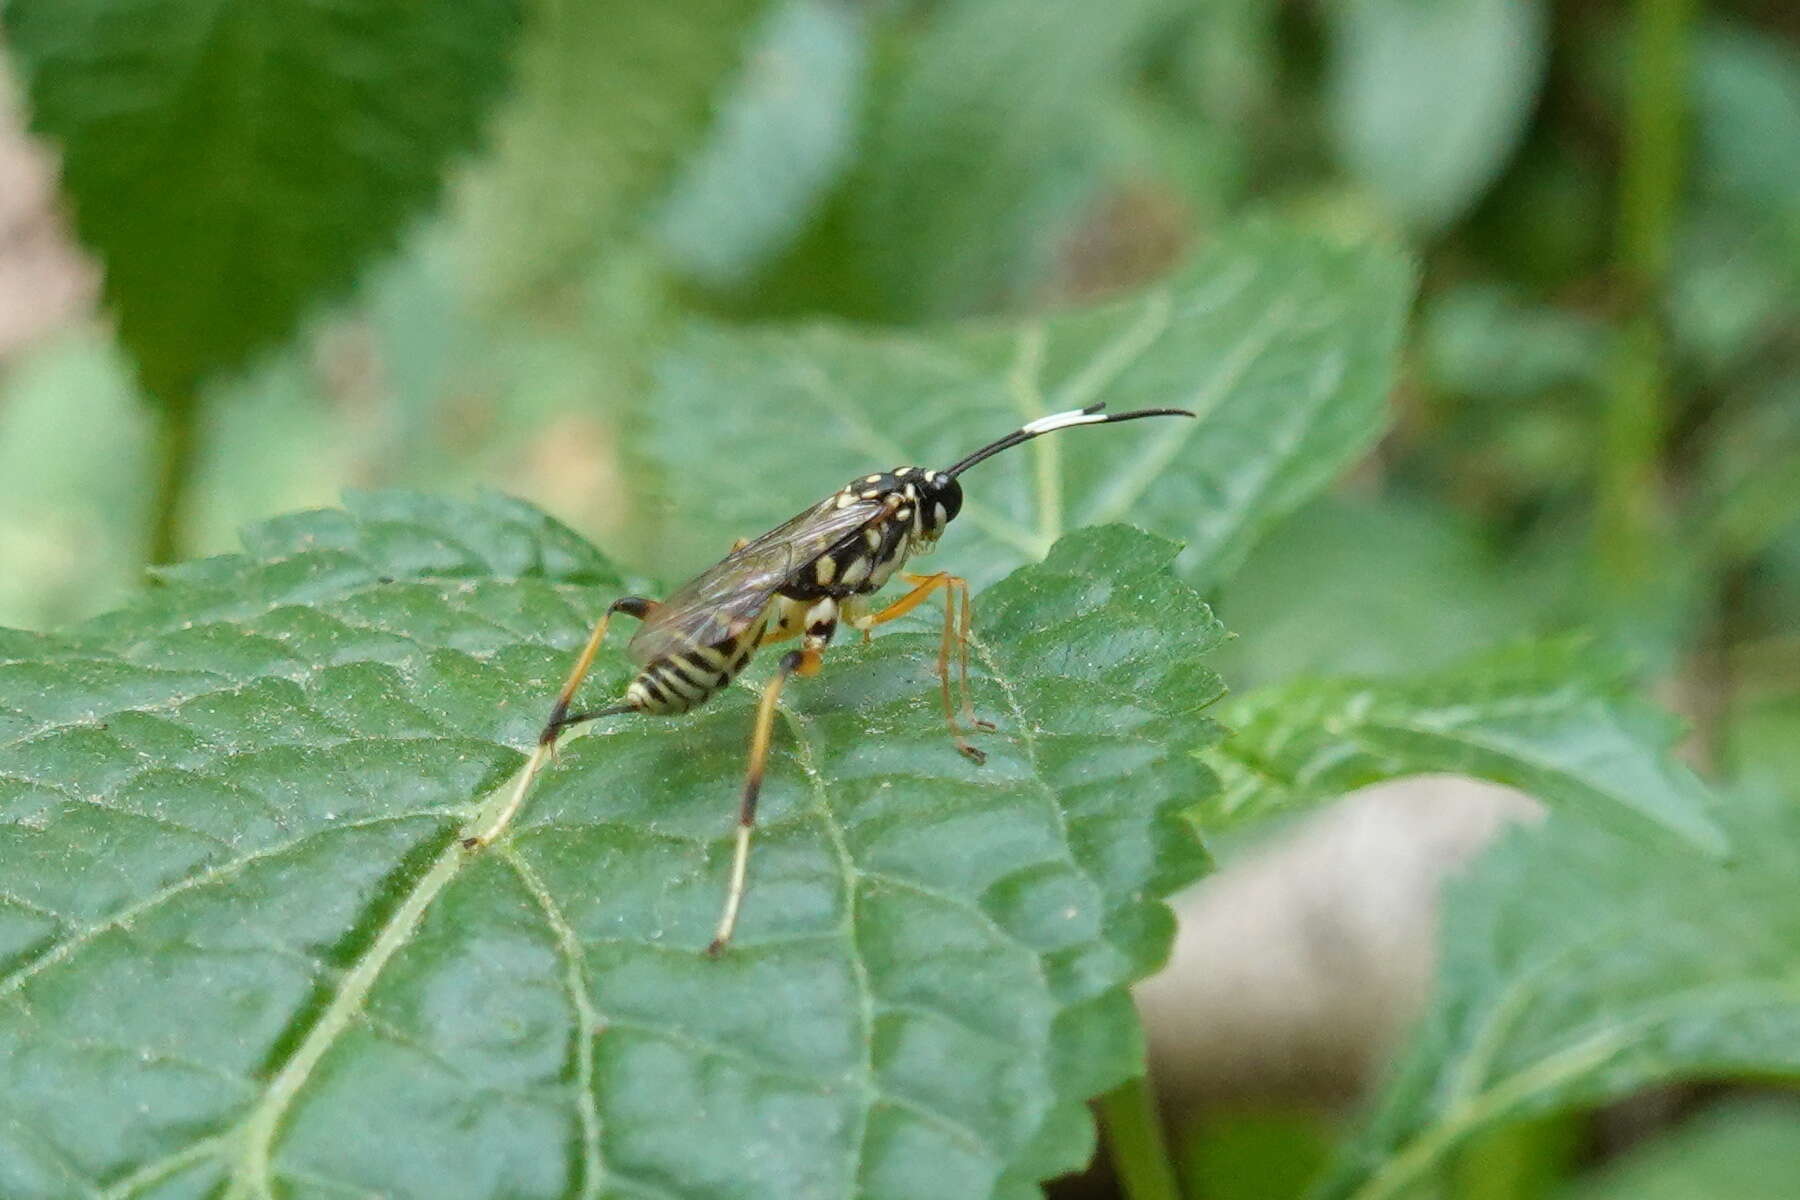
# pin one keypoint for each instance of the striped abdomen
(687, 679)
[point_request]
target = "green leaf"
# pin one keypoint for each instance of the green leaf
(1749, 485)
(1733, 284)
(1521, 1160)
(242, 951)
(235, 164)
(1747, 126)
(1744, 1149)
(1763, 749)
(784, 135)
(1547, 718)
(611, 95)
(987, 146)
(1484, 340)
(1578, 967)
(1428, 98)
(1283, 343)
(1736, 271)
(1414, 586)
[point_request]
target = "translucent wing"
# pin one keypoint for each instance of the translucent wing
(725, 599)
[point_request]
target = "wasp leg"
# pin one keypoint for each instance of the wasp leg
(631, 606)
(580, 718)
(560, 717)
(822, 623)
(924, 585)
(962, 659)
(738, 545)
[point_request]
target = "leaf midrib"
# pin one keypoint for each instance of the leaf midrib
(68, 946)
(256, 1137)
(248, 1148)
(255, 1134)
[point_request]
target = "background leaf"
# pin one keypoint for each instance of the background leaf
(611, 94)
(986, 147)
(1578, 968)
(1546, 718)
(1284, 345)
(1429, 97)
(1735, 288)
(70, 430)
(784, 135)
(1481, 341)
(1752, 475)
(1747, 1149)
(232, 165)
(241, 947)
(1413, 588)
(1747, 110)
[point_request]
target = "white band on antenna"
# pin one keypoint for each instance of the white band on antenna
(1062, 420)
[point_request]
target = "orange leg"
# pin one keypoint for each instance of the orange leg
(956, 632)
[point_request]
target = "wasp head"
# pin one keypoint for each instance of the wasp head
(927, 501)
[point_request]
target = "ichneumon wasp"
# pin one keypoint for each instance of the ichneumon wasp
(803, 578)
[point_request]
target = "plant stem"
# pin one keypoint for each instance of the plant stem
(1652, 169)
(1134, 1140)
(177, 448)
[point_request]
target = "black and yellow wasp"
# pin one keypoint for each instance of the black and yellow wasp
(804, 578)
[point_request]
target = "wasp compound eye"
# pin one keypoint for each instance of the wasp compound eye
(946, 500)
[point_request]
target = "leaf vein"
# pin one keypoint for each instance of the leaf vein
(67, 947)
(587, 1021)
(1130, 484)
(859, 969)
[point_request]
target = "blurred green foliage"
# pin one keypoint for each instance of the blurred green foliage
(1254, 1154)
(1544, 717)
(1596, 423)
(1746, 1149)
(897, 161)
(241, 164)
(1574, 973)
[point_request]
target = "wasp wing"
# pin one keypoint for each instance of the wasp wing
(726, 599)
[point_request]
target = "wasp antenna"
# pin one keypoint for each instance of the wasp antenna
(1093, 414)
